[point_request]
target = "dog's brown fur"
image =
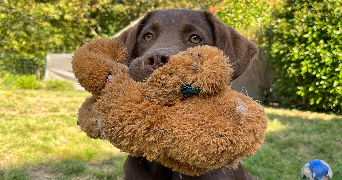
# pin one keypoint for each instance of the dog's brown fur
(171, 30)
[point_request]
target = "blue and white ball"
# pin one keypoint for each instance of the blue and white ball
(316, 170)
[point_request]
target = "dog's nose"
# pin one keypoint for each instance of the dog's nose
(157, 58)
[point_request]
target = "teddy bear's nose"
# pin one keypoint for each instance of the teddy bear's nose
(157, 58)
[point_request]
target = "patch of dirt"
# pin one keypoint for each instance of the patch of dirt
(5, 163)
(9, 159)
(41, 174)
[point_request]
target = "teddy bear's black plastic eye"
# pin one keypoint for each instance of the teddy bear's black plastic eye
(187, 90)
(148, 37)
(195, 39)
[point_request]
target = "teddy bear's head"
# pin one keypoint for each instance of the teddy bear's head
(184, 115)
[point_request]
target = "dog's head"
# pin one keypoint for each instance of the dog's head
(163, 33)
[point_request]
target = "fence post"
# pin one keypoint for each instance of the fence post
(47, 52)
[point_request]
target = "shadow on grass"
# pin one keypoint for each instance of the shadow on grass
(110, 169)
(294, 138)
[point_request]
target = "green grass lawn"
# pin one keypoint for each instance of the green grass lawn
(39, 139)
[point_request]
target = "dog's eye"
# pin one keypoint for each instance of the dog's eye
(148, 37)
(195, 39)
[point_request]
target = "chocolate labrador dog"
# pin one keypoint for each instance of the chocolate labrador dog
(150, 43)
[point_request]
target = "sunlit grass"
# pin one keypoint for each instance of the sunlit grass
(30, 102)
(38, 133)
(39, 139)
(293, 138)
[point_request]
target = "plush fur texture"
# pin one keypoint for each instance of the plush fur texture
(100, 56)
(184, 115)
(88, 118)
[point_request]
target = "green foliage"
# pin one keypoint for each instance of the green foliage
(8, 81)
(247, 16)
(27, 82)
(59, 85)
(28, 29)
(31, 28)
(305, 49)
(20, 63)
(11, 81)
(302, 41)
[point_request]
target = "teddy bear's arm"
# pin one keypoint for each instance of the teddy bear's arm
(93, 62)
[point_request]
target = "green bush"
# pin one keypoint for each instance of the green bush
(59, 85)
(11, 81)
(27, 82)
(305, 49)
(16, 63)
(247, 16)
(251, 18)
(8, 81)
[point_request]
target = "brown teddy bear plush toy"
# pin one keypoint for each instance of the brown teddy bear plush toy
(184, 115)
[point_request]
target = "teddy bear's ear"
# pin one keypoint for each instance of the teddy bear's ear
(129, 35)
(238, 48)
(93, 62)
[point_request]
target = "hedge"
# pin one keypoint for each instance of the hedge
(12, 81)
(305, 49)
(303, 45)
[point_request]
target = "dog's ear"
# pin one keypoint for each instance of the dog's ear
(238, 48)
(129, 35)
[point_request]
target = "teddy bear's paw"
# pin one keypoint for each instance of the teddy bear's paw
(202, 70)
(92, 63)
(89, 119)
